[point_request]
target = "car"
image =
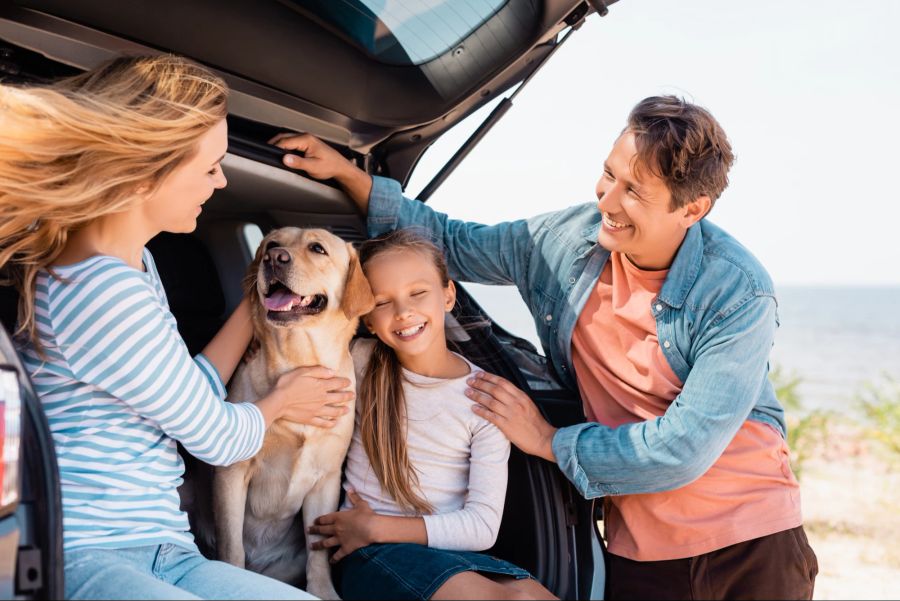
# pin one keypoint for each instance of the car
(380, 82)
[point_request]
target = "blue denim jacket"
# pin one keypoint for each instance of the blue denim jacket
(715, 319)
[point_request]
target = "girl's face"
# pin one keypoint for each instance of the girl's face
(410, 302)
(176, 204)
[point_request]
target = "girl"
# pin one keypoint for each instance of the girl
(91, 168)
(425, 476)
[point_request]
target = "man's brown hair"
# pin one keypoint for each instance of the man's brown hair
(682, 144)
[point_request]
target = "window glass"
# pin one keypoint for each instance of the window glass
(404, 32)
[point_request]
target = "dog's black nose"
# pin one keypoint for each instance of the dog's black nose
(277, 256)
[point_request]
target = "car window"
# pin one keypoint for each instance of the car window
(404, 32)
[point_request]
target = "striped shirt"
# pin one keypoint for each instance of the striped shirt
(119, 387)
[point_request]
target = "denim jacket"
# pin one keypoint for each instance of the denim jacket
(715, 320)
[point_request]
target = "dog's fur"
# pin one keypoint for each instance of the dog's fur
(256, 502)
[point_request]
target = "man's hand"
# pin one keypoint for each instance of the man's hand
(348, 530)
(501, 403)
(321, 161)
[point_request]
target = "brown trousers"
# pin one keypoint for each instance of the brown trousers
(777, 566)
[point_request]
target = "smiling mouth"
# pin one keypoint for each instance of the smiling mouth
(282, 304)
(608, 221)
(410, 332)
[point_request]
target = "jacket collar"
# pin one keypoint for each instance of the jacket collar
(685, 268)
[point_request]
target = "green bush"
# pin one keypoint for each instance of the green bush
(807, 430)
(880, 405)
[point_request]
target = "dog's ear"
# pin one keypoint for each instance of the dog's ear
(357, 299)
(248, 284)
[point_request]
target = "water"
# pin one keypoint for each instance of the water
(836, 339)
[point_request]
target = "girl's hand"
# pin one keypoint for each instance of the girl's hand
(504, 405)
(349, 530)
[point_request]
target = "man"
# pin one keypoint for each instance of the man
(664, 324)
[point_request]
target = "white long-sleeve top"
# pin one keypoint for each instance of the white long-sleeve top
(460, 459)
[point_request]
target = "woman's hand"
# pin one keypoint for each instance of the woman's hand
(349, 530)
(504, 405)
(308, 395)
(321, 161)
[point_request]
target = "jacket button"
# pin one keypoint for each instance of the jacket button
(658, 307)
(667, 344)
(548, 317)
(571, 280)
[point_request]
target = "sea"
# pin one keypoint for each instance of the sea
(837, 340)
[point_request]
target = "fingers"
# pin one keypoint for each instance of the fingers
(322, 422)
(339, 555)
(324, 520)
(337, 383)
(332, 411)
(339, 398)
(355, 498)
(325, 543)
(292, 141)
(493, 384)
(317, 371)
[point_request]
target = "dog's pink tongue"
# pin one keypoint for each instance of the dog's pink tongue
(281, 300)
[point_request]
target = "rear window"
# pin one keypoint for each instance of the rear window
(403, 32)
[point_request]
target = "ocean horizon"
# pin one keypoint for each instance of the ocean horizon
(836, 339)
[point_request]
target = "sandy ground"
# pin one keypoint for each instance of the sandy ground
(851, 509)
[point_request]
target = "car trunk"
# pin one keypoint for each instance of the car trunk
(380, 103)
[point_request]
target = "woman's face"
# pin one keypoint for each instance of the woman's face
(176, 204)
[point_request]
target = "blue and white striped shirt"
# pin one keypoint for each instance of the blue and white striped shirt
(119, 388)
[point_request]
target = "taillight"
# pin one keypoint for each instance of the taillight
(10, 429)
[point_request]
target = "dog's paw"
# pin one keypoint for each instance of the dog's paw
(322, 590)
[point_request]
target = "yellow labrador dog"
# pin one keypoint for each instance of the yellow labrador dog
(307, 292)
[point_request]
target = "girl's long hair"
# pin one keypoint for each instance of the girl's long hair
(82, 147)
(382, 402)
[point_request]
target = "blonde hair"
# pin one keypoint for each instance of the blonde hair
(382, 402)
(82, 147)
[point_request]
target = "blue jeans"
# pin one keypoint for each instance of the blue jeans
(164, 572)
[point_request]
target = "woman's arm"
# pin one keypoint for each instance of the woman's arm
(227, 347)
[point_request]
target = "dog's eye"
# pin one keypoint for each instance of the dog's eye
(317, 248)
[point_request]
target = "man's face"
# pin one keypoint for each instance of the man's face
(637, 217)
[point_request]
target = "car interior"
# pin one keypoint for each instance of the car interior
(546, 525)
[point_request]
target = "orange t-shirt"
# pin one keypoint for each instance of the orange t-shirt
(623, 376)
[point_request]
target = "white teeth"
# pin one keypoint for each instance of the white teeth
(305, 301)
(612, 223)
(410, 331)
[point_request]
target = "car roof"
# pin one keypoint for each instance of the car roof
(388, 82)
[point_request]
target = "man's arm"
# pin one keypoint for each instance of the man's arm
(674, 450)
(497, 254)
(656, 455)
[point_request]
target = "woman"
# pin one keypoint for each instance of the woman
(91, 168)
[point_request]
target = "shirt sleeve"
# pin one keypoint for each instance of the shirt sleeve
(675, 449)
(116, 336)
(485, 254)
(475, 526)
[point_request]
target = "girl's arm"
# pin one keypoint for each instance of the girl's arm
(359, 526)
(474, 527)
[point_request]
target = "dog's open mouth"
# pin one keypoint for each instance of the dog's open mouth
(282, 304)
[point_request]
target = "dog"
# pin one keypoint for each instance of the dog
(307, 292)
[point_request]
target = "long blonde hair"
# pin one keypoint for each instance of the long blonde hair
(80, 148)
(383, 415)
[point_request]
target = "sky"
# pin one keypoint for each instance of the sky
(807, 90)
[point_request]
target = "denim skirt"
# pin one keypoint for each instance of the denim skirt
(410, 571)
